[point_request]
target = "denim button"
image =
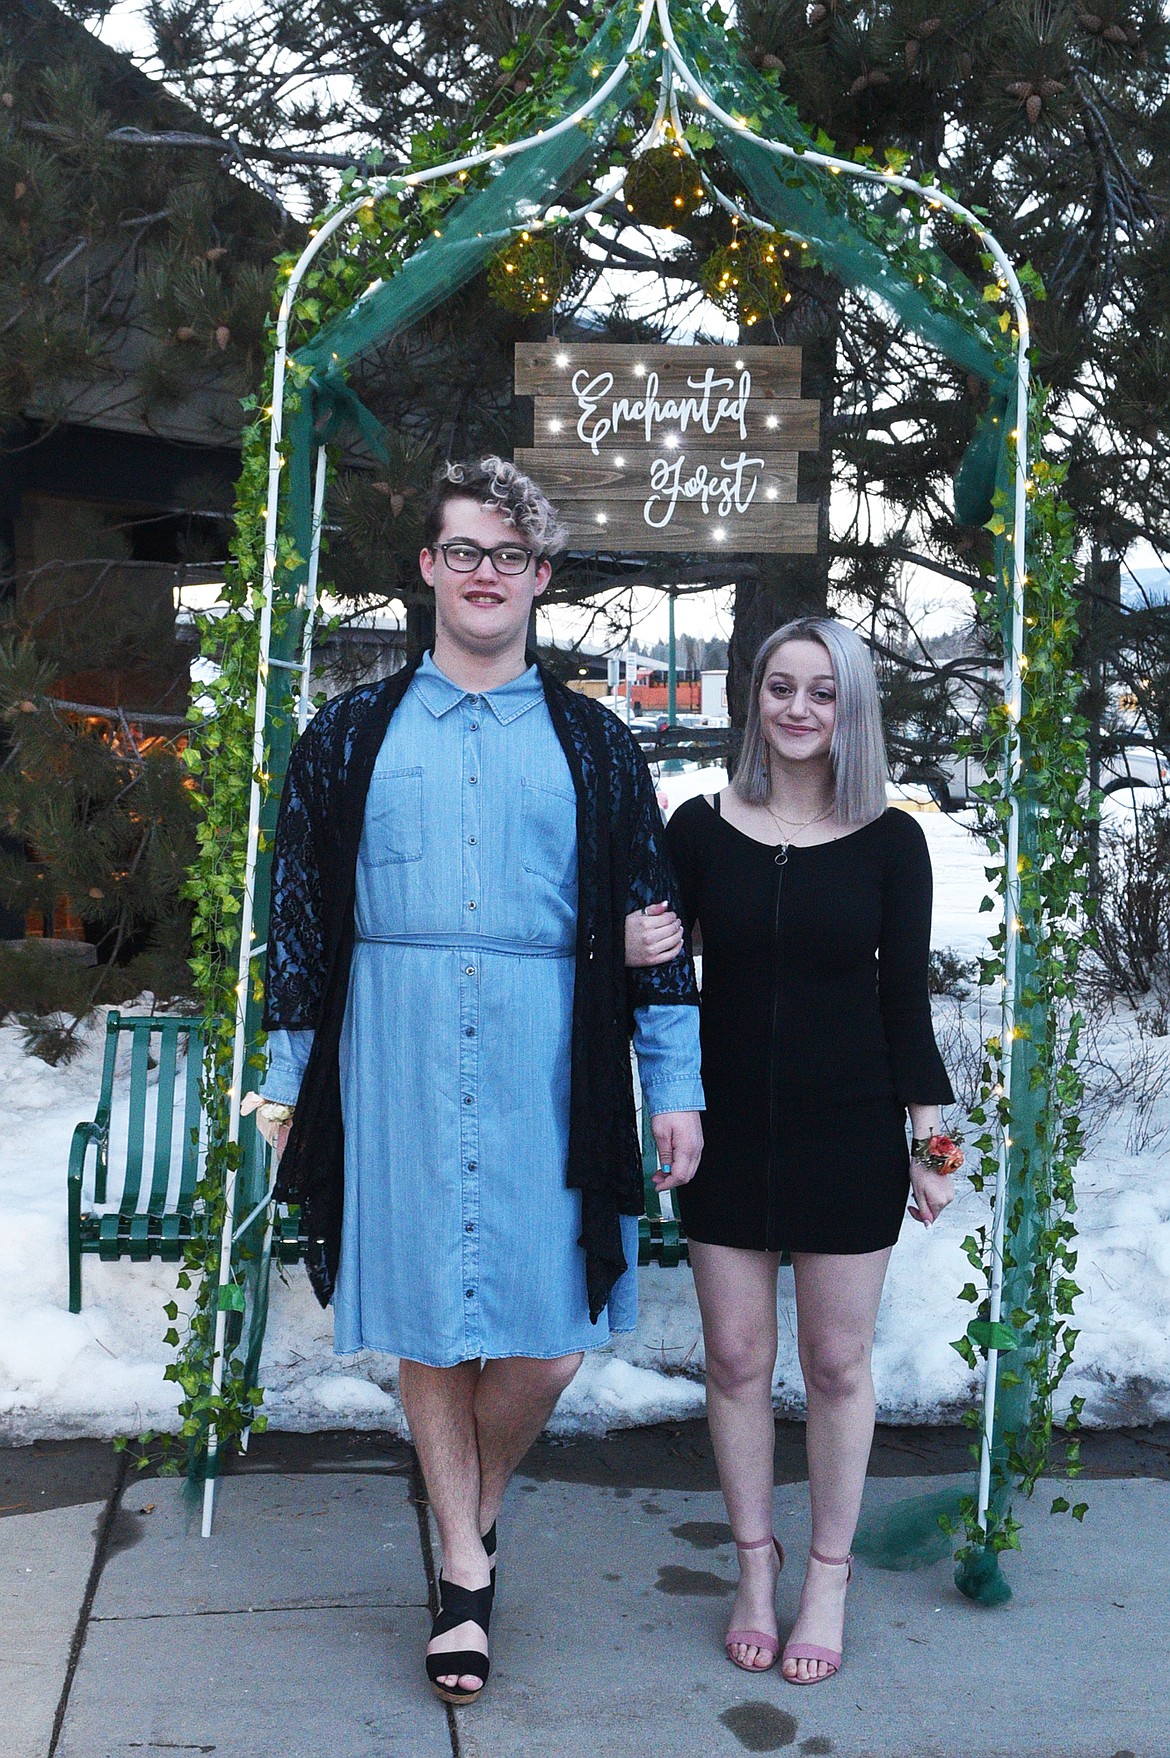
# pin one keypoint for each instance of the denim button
(470, 969)
(472, 1165)
(471, 906)
(473, 840)
(470, 1031)
(469, 1293)
(468, 1100)
(469, 1226)
(473, 779)
(475, 726)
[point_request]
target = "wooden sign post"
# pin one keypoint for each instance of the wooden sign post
(670, 448)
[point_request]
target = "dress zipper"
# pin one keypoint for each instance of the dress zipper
(781, 861)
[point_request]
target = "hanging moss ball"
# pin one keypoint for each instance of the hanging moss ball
(663, 187)
(745, 279)
(531, 274)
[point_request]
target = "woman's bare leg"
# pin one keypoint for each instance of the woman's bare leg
(737, 1298)
(837, 1299)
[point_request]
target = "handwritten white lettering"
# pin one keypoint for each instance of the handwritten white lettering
(603, 415)
(733, 492)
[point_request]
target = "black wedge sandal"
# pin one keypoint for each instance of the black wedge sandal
(491, 1546)
(460, 1605)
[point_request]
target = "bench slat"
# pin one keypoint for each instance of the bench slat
(164, 1116)
(136, 1124)
(191, 1120)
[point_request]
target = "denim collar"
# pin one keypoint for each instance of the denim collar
(507, 703)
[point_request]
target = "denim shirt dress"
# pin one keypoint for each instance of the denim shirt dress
(460, 1235)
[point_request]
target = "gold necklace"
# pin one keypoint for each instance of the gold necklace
(779, 820)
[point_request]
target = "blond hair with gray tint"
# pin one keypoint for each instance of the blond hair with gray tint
(496, 483)
(858, 750)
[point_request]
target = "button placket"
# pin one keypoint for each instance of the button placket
(469, 1038)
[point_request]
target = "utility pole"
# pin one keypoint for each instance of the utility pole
(671, 664)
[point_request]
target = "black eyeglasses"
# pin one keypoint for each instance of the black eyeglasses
(506, 558)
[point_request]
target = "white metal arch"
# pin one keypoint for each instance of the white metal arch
(674, 68)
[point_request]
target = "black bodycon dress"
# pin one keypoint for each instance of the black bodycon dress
(816, 1031)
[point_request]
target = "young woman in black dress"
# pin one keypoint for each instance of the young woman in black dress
(813, 902)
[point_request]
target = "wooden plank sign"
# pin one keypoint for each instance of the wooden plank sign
(670, 448)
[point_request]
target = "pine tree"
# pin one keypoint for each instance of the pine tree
(98, 812)
(132, 281)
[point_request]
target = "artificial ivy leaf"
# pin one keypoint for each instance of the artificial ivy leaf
(993, 1336)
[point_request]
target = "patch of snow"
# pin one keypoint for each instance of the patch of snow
(100, 1372)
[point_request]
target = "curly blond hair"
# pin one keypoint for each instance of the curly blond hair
(495, 482)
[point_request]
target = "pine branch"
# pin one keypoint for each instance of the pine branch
(234, 149)
(121, 715)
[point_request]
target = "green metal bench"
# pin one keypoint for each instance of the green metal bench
(155, 1215)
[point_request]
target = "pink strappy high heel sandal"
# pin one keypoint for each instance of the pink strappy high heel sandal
(769, 1645)
(831, 1657)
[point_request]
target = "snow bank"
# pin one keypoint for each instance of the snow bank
(100, 1372)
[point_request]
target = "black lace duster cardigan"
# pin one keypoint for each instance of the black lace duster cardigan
(622, 864)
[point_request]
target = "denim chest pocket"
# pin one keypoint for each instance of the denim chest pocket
(393, 828)
(549, 832)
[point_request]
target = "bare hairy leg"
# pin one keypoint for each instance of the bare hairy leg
(471, 1425)
(440, 1407)
(514, 1398)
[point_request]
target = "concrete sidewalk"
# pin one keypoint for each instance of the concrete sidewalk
(297, 1630)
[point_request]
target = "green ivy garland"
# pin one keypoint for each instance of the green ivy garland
(1054, 911)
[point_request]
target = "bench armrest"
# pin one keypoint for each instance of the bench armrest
(98, 1133)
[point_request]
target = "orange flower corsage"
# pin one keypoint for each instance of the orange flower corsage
(942, 1153)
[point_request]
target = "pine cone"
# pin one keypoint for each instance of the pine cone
(7, 99)
(911, 52)
(185, 333)
(222, 336)
(1051, 88)
(1019, 88)
(860, 84)
(966, 64)
(771, 63)
(216, 251)
(817, 12)
(19, 191)
(1091, 22)
(1033, 106)
(879, 77)
(1113, 33)
(928, 27)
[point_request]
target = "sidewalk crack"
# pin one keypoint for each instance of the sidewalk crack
(101, 1551)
